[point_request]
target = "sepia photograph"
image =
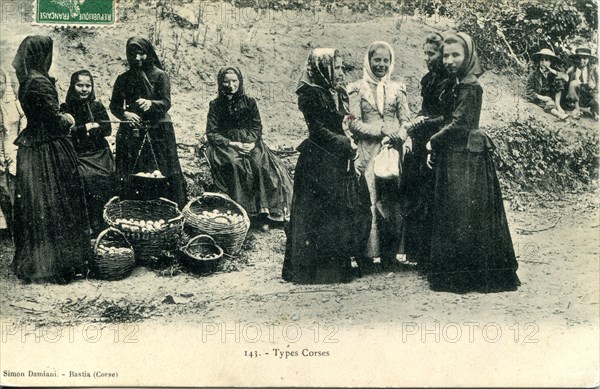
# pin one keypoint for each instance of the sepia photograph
(299, 193)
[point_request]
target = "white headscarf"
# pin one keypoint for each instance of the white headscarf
(370, 78)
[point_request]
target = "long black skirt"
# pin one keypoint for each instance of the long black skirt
(417, 192)
(258, 182)
(326, 227)
(164, 158)
(471, 247)
(52, 242)
(97, 169)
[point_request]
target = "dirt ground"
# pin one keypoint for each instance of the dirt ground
(559, 266)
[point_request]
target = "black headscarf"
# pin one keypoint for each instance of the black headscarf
(138, 43)
(72, 96)
(77, 106)
(221, 77)
(239, 100)
(471, 69)
(138, 78)
(34, 54)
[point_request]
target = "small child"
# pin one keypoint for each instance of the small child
(583, 82)
(96, 162)
(545, 84)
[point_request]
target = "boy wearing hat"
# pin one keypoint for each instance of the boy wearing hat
(583, 82)
(545, 85)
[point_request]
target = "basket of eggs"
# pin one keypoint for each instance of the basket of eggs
(150, 225)
(113, 255)
(217, 215)
(201, 255)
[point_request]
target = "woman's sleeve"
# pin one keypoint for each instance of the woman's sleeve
(78, 131)
(423, 96)
(464, 117)
(357, 126)
(313, 114)
(118, 99)
(255, 122)
(101, 117)
(162, 103)
(212, 128)
(44, 98)
(362, 129)
(403, 112)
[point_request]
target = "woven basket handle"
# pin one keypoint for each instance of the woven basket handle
(195, 238)
(106, 231)
(115, 198)
(187, 207)
(104, 212)
(174, 204)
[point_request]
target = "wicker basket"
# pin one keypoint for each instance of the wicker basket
(229, 236)
(201, 257)
(113, 255)
(146, 243)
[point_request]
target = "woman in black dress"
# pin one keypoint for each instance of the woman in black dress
(321, 236)
(471, 247)
(52, 242)
(96, 162)
(142, 96)
(241, 164)
(418, 179)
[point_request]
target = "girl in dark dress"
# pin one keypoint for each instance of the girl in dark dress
(471, 247)
(320, 238)
(52, 242)
(142, 97)
(96, 162)
(418, 179)
(241, 164)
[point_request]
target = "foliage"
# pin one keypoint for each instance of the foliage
(531, 156)
(508, 31)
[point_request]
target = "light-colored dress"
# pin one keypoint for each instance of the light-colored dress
(367, 129)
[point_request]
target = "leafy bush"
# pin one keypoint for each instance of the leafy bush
(531, 156)
(508, 32)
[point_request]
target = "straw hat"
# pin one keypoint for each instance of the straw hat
(544, 52)
(582, 51)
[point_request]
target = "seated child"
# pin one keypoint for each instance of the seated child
(96, 162)
(545, 84)
(583, 82)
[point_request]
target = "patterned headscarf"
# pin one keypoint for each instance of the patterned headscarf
(318, 72)
(471, 68)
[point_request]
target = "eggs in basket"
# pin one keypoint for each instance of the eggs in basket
(113, 250)
(141, 225)
(154, 174)
(222, 217)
